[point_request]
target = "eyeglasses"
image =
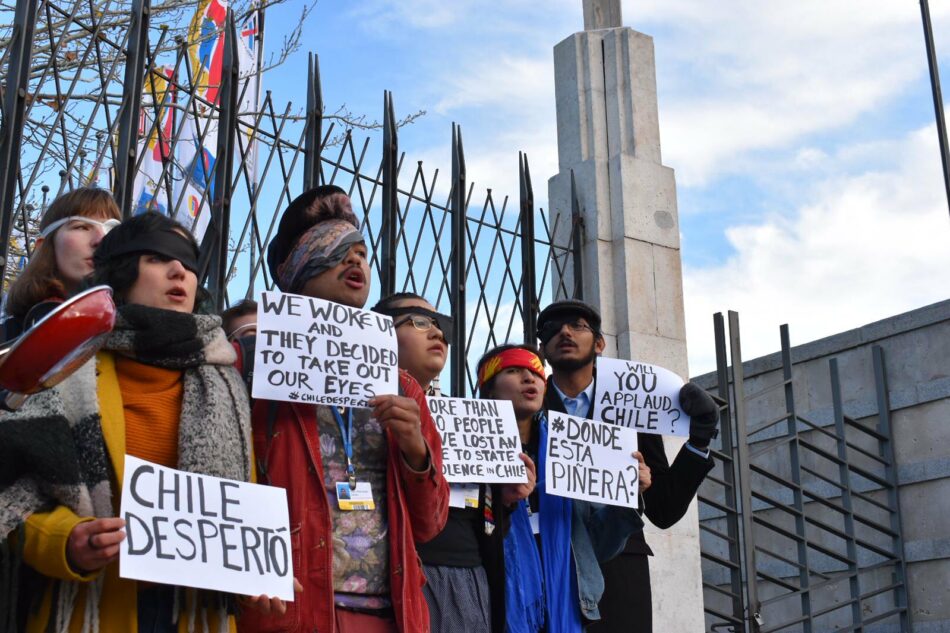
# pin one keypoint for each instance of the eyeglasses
(553, 327)
(421, 323)
(106, 225)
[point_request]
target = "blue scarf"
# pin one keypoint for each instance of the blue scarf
(560, 576)
(524, 591)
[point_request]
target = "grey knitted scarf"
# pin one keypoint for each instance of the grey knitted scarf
(52, 450)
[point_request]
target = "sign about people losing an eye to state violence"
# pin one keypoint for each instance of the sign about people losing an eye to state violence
(206, 532)
(640, 396)
(480, 441)
(315, 351)
(590, 460)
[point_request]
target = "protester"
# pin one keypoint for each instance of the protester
(423, 336)
(554, 582)
(162, 389)
(240, 320)
(359, 568)
(70, 230)
(571, 340)
(464, 565)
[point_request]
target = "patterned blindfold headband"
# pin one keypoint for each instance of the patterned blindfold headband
(322, 247)
(516, 357)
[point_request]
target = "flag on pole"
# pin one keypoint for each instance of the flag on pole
(198, 142)
(250, 46)
(150, 191)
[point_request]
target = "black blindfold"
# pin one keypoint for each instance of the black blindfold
(170, 244)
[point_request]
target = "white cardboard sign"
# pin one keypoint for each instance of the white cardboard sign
(206, 532)
(592, 461)
(321, 352)
(640, 396)
(480, 441)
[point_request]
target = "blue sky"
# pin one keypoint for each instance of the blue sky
(802, 136)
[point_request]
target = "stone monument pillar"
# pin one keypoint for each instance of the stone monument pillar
(609, 139)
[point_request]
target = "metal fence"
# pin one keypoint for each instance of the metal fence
(799, 522)
(800, 528)
(80, 90)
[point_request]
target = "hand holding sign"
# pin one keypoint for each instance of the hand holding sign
(703, 412)
(268, 605)
(646, 475)
(401, 416)
(639, 396)
(92, 545)
(513, 493)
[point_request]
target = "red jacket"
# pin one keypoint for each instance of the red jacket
(417, 509)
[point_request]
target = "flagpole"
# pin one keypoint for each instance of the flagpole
(257, 101)
(937, 95)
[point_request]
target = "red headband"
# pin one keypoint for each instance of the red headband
(515, 357)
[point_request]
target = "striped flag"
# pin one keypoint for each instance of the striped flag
(150, 191)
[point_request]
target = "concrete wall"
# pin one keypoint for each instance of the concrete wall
(609, 144)
(916, 348)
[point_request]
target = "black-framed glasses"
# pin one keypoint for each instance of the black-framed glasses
(551, 328)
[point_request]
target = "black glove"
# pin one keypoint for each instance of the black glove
(703, 415)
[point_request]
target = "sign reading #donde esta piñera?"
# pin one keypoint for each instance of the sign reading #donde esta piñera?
(592, 461)
(206, 532)
(480, 441)
(639, 396)
(316, 351)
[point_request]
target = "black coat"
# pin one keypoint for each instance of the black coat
(673, 487)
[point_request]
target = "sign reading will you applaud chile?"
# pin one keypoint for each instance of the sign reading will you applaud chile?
(639, 396)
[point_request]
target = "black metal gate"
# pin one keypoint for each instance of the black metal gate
(81, 89)
(799, 522)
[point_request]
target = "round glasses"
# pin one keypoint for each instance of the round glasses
(105, 225)
(421, 323)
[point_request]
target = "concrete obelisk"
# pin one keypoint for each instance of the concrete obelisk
(609, 138)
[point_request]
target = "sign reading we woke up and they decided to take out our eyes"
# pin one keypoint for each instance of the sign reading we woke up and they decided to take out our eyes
(316, 351)
(480, 441)
(201, 531)
(592, 461)
(639, 396)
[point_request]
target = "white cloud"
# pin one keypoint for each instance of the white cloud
(867, 247)
(736, 79)
(383, 15)
(750, 76)
(512, 83)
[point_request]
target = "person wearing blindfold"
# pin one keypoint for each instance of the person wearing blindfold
(358, 563)
(464, 564)
(61, 260)
(571, 339)
(163, 388)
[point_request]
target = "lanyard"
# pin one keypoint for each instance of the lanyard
(347, 432)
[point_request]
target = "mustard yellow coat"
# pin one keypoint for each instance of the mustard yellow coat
(47, 533)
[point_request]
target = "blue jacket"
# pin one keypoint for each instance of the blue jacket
(598, 533)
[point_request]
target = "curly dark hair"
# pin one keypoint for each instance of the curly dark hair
(121, 271)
